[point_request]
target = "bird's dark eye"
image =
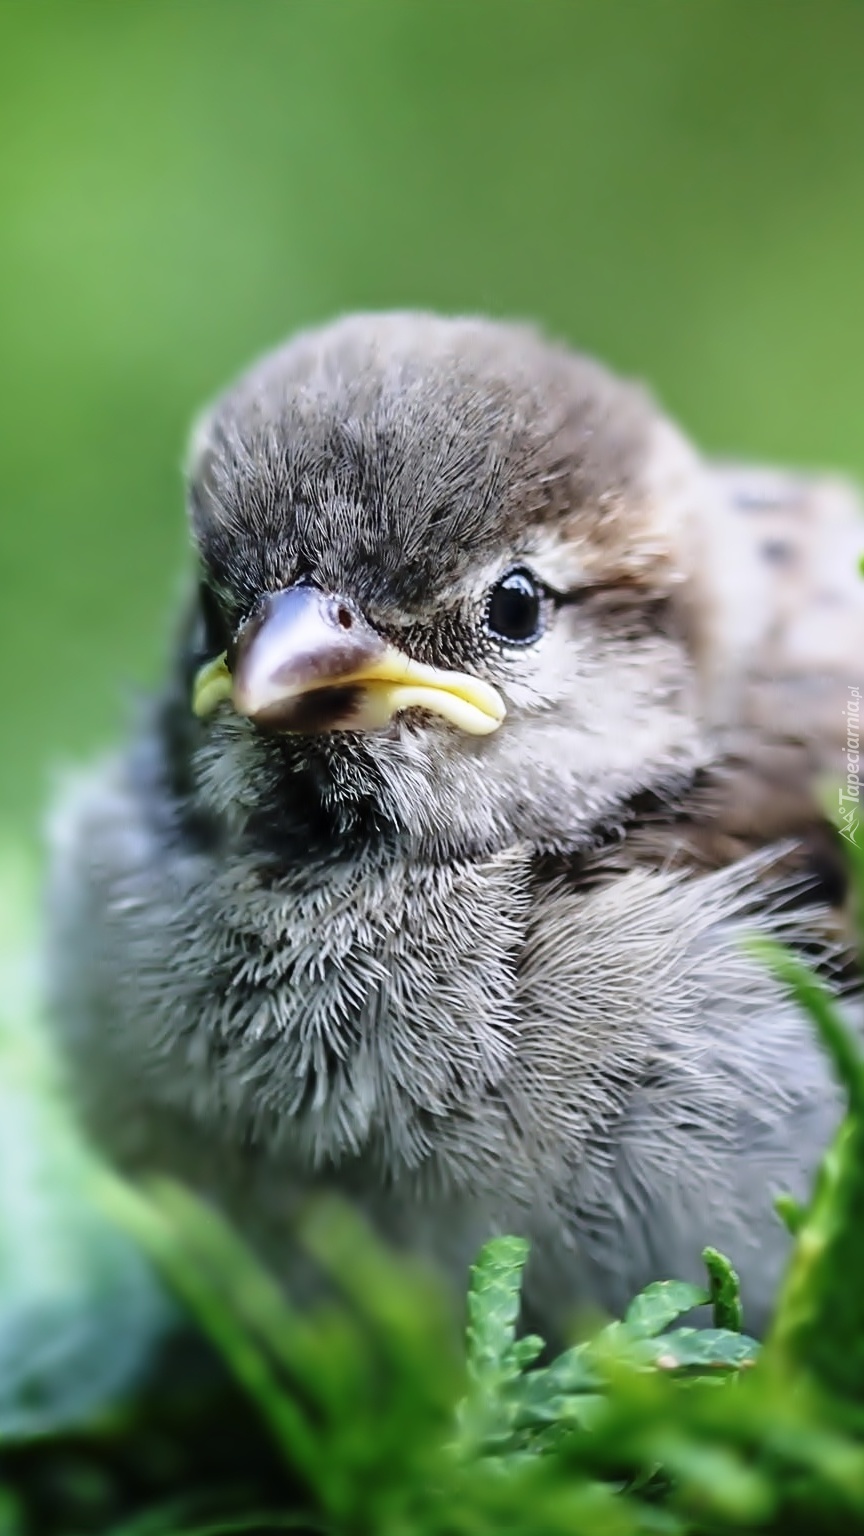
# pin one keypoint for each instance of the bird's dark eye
(515, 609)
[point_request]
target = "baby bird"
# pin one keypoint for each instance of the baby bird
(497, 720)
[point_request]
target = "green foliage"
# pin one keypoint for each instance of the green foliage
(343, 1420)
(362, 1415)
(725, 1291)
(819, 1324)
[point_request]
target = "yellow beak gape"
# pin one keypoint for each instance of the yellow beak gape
(385, 687)
(308, 661)
(212, 686)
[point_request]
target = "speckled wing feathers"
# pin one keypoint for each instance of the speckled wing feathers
(782, 726)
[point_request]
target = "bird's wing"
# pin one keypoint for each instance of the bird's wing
(786, 646)
(797, 699)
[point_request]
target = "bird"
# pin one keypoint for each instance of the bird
(496, 719)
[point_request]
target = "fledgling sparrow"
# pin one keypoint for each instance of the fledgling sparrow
(496, 721)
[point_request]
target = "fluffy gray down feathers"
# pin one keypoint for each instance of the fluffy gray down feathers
(479, 985)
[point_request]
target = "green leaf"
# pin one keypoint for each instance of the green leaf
(819, 1321)
(725, 1291)
(493, 1307)
(12, 1522)
(540, 1401)
(714, 1478)
(815, 998)
(791, 1212)
(257, 1523)
(659, 1304)
(180, 1240)
(706, 1348)
(575, 1370)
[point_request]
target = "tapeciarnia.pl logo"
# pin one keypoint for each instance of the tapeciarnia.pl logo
(850, 792)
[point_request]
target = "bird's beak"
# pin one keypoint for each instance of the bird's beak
(307, 661)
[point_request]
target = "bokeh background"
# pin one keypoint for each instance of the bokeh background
(678, 187)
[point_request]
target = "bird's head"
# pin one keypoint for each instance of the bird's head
(443, 571)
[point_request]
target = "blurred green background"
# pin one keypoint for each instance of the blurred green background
(676, 186)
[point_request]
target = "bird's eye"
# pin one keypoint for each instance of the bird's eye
(515, 609)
